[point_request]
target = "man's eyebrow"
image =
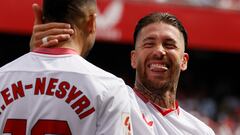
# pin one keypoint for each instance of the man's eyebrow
(171, 40)
(149, 38)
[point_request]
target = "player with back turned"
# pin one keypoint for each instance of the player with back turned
(56, 91)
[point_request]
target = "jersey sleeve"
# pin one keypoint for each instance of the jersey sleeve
(210, 132)
(114, 111)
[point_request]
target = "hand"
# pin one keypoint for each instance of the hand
(55, 32)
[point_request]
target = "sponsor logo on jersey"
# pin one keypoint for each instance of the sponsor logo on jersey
(148, 122)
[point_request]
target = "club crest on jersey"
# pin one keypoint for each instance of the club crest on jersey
(126, 124)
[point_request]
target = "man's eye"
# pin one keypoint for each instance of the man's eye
(170, 45)
(148, 44)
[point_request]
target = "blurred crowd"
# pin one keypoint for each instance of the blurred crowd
(223, 116)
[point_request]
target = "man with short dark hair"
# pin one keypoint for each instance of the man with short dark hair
(159, 57)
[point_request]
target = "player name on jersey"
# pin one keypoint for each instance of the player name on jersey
(49, 87)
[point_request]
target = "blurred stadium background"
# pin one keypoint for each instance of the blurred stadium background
(209, 89)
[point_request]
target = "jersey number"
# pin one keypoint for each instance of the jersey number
(42, 127)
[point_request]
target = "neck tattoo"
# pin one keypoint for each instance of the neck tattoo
(159, 99)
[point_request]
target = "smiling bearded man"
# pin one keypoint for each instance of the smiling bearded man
(159, 57)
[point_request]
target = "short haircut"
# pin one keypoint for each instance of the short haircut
(157, 17)
(68, 11)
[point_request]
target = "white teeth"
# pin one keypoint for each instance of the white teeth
(158, 66)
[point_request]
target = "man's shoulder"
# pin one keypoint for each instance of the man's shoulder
(195, 120)
(14, 64)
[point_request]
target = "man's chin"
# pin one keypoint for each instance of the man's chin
(154, 84)
(157, 80)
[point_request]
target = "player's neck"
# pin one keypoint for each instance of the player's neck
(165, 100)
(72, 44)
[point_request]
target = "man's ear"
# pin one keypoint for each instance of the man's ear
(184, 62)
(133, 59)
(92, 23)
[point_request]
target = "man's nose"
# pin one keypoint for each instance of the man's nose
(160, 49)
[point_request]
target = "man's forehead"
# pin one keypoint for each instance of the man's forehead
(159, 30)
